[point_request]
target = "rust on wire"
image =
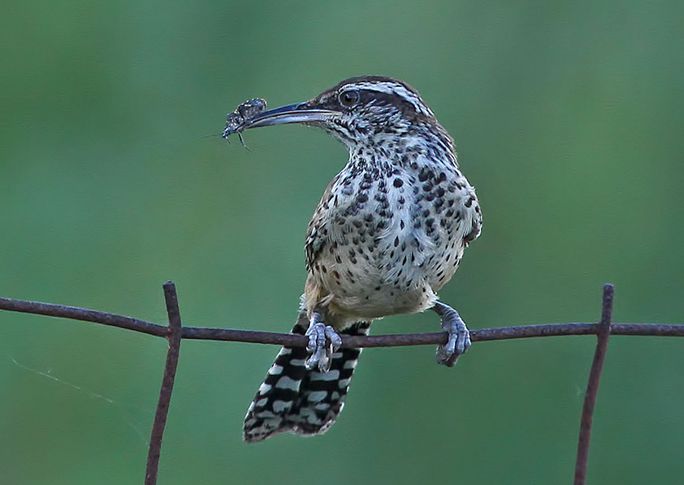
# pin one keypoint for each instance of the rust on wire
(603, 334)
(289, 340)
(174, 335)
(82, 314)
(175, 332)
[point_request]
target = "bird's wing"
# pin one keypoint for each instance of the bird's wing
(317, 234)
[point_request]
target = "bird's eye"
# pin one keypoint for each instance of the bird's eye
(349, 98)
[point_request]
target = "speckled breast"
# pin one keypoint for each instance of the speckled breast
(393, 237)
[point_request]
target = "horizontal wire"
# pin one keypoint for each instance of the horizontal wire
(273, 338)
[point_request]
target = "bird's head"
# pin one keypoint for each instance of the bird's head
(361, 111)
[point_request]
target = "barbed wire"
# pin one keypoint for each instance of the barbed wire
(175, 332)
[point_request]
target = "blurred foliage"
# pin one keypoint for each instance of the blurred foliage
(568, 117)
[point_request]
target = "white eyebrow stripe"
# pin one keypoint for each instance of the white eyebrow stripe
(398, 90)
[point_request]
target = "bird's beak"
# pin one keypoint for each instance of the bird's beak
(292, 113)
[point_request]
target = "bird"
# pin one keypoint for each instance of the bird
(388, 233)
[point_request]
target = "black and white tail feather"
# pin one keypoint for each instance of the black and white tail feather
(294, 399)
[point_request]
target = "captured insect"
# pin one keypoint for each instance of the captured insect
(236, 121)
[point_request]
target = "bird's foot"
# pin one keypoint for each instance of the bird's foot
(323, 341)
(459, 336)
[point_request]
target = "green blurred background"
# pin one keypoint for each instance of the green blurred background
(568, 117)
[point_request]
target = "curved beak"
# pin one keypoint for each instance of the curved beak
(292, 113)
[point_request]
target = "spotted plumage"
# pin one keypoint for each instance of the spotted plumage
(387, 234)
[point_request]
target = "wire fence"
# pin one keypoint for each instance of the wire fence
(175, 332)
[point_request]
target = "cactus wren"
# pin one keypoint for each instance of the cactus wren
(388, 233)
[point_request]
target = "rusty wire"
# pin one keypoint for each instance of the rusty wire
(175, 333)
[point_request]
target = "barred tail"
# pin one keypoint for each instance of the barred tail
(297, 400)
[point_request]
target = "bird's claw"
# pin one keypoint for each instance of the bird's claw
(457, 343)
(323, 341)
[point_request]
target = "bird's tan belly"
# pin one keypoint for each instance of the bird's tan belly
(361, 290)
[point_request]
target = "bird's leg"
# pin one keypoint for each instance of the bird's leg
(459, 336)
(323, 341)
